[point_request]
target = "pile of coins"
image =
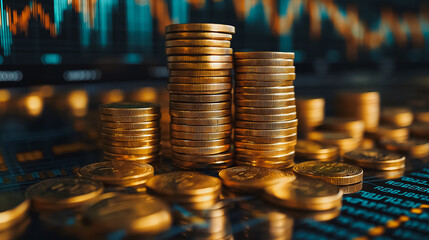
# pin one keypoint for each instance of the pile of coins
(375, 159)
(312, 150)
(200, 63)
(398, 116)
(360, 105)
(130, 131)
(310, 112)
(265, 111)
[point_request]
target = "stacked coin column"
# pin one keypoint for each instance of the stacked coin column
(265, 111)
(200, 63)
(130, 131)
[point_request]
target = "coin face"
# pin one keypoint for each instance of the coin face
(333, 172)
(117, 171)
(64, 190)
(183, 183)
(253, 178)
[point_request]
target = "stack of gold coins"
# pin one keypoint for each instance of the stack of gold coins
(305, 194)
(130, 131)
(13, 210)
(118, 173)
(310, 112)
(343, 141)
(139, 215)
(191, 190)
(265, 111)
(200, 63)
(360, 105)
(63, 193)
(417, 148)
(388, 131)
(375, 159)
(398, 116)
(353, 127)
(312, 150)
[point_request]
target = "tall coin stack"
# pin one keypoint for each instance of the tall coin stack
(200, 63)
(265, 111)
(130, 131)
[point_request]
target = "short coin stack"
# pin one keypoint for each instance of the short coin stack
(130, 131)
(265, 111)
(310, 112)
(200, 63)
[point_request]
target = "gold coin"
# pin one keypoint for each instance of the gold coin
(213, 158)
(183, 183)
(202, 165)
(199, 87)
(332, 172)
(130, 118)
(120, 137)
(199, 106)
(266, 125)
(204, 98)
(200, 136)
(129, 108)
(264, 55)
(201, 129)
(331, 137)
(141, 158)
(388, 131)
(281, 159)
(13, 207)
(265, 69)
(197, 43)
(265, 103)
(273, 77)
(264, 62)
(307, 147)
(249, 139)
(399, 116)
(306, 194)
(264, 153)
(130, 126)
(198, 35)
(265, 118)
(200, 27)
(208, 143)
(200, 73)
(123, 173)
(248, 178)
(132, 150)
(266, 111)
(200, 58)
(134, 213)
(417, 148)
(200, 80)
(310, 102)
(241, 83)
(200, 66)
(201, 122)
(375, 158)
(198, 51)
(272, 165)
(129, 132)
(277, 96)
(264, 90)
(200, 150)
(264, 146)
(265, 133)
(62, 193)
(141, 143)
(200, 114)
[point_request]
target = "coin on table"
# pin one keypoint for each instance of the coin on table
(200, 73)
(123, 173)
(264, 62)
(136, 214)
(306, 194)
(200, 114)
(376, 159)
(248, 178)
(13, 209)
(200, 136)
(333, 172)
(198, 35)
(200, 80)
(197, 43)
(265, 118)
(202, 121)
(200, 106)
(266, 125)
(272, 77)
(200, 27)
(199, 66)
(264, 55)
(62, 193)
(198, 51)
(129, 108)
(265, 69)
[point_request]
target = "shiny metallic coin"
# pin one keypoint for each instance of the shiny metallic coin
(264, 90)
(283, 159)
(132, 150)
(265, 69)
(264, 153)
(200, 150)
(199, 66)
(200, 136)
(119, 137)
(375, 159)
(201, 122)
(242, 83)
(214, 158)
(266, 125)
(198, 51)
(199, 87)
(142, 158)
(192, 143)
(198, 35)
(197, 43)
(264, 103)
(266, 111)
(137, 125)
(141, 143)
(200, 80)
(203, 98)
(266, 133)
(200, 27)
(201, 129)
(307, 147)
(265, 118)
(332, 172)
(200, 73)
(129, 108)
(277, 96)
(130, 118)
(200, 114)
(264, 62)
(202, 165)
(199, 106)
(265, 164)
(272, 77)
(264, 55)
(264, 146)
(200, 58)
(129, 132)
(250, 139)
